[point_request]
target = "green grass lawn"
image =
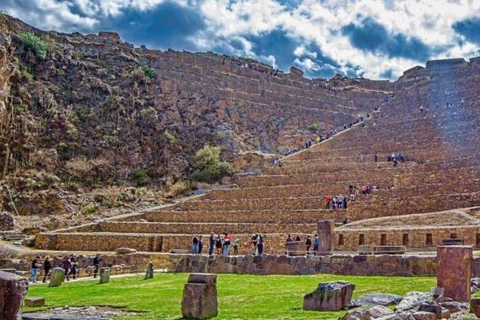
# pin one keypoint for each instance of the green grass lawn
(239, 296)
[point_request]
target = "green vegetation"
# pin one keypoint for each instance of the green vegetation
(210, 168)
(32, 43)
(148, 71)
(141, 177)
(313, 127)
(239, 296)
(169, 138)
(144, 73)
(180, 188)
(91, 208)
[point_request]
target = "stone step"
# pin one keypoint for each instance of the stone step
(106, 241)
(197, 227)
(242, 216)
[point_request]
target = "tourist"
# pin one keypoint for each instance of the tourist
(67, 266)
(328, 200)
(345, 221)
(340, 201)
(375, 158)
(219, 244)
(260, 244)
(200, 245)
(47, 265)
(298, 238)
(73, 269)
(226, 244)
(34, 270)
(195, 244)
(308, 244)
(345, 203)
(289, 238)
(236, 241)
(315, 244)
(254, 243)
(211, 244)
(96, 264)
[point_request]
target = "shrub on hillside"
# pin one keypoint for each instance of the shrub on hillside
(313, 127)
(180, 188)
(32, 43)
(210, 168)
(141, 177)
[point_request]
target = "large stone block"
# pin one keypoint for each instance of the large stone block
(34, 302)
(295, 248)
(104, 275)
(13, 290)
(149, 272)
(454, 271)
(326, 238)
(57, 277)
(331, 296)
(200, 297)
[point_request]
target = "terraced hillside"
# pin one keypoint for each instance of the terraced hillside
(432, 119)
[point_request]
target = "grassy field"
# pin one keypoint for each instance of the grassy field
(240, 296)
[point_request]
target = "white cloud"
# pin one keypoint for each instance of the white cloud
(309, 21)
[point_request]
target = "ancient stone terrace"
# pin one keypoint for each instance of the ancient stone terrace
(440, 173)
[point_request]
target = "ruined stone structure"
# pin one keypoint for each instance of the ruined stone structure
(430, 118)
(429, 115)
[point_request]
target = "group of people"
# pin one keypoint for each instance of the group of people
(218, 243)
(336, 202)
(308, 242)
(221, 244)
(396, 158)
(68, 263)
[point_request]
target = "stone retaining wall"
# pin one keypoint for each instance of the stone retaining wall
(412, 238)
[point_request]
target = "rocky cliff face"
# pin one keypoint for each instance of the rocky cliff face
(101, 108)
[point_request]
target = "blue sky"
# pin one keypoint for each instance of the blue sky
(370, 38)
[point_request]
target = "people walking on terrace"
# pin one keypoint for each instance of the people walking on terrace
(289, 238)
(316, 242)
(254, 241)
(328, 201)
(96, 264)
(308, 244)
(219, 244)
(298, 238)
(375, 158)
(47, 266)
(200, 244)
(211, 243)
(67, 266)
(260, 244)
(195, 244)
(226, 244)
(73, 269)
(36, 264)
(236, 241)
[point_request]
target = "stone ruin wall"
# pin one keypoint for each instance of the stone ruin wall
(413, 238)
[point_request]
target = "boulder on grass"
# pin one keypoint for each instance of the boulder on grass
(149, 272)
(331, 296)
(13, 290)
(367, 314)
(375, 299)
(104, 275)
(412, 300)
(200, 296)
(57, 277)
